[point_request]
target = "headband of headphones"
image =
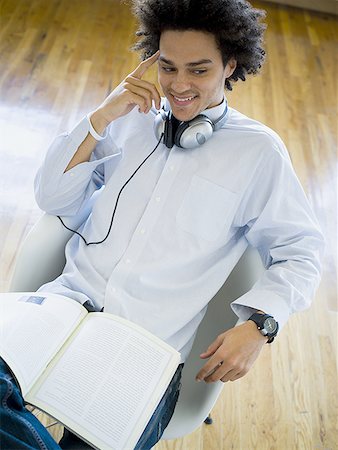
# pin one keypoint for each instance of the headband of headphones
(191, 134)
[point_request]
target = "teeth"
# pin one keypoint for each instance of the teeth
(183, 99)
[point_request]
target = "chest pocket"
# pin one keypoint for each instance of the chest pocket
(207, 209)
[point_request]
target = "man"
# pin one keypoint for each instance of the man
(183, 195)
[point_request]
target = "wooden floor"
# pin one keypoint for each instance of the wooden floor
(59, 59)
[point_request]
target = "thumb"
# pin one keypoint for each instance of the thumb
(212, 348)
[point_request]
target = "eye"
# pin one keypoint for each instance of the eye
(199, 71)
(167, 69)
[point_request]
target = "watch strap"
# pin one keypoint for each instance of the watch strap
(259, 319)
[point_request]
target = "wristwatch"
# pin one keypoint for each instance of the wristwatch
(266, 324)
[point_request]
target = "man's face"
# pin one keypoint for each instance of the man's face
(191, 72)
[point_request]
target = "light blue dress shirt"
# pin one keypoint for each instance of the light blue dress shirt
(182, 223)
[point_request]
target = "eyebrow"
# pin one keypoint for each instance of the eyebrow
(190, 64)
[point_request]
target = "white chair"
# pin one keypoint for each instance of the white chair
(41, 259)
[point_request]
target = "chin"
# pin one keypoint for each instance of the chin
(183, 116)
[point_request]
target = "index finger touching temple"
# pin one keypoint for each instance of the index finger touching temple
(145, 65)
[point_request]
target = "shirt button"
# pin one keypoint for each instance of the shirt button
(172, 168)
(113, 290)
(142, 231)
(128, 261)
(158, 199)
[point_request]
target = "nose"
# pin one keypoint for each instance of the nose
(180, 83)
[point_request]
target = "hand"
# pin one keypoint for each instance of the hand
(232, 354)
(131, 92)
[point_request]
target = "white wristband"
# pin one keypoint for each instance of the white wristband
(92, 131)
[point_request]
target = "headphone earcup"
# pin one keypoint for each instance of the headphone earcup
(194, 133)
(183, 134)
(180, 130)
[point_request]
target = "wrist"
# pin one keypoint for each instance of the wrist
(256, 333)
(266, 325)
(98, 121)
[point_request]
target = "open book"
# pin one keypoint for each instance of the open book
(99, 375)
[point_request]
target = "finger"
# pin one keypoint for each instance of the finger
(137, 100)
(208, 369)
(238, 375)
(146, 95)
(212, 348)
(232, 375)
(215, 375)
(220, 371)
(144, 65)
(149, 87)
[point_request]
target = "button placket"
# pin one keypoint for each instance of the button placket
(148, 220)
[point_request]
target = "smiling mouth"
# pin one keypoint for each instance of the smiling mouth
(183, 100)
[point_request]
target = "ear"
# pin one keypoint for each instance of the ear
(230, 67)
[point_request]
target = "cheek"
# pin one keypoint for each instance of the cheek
(162, 80)
(218, 84)
(208, 88)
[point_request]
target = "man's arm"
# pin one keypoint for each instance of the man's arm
(232, 354)
(280, 223)
(73, 167)
(132, 92)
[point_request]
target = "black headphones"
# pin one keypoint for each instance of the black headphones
(186, 134)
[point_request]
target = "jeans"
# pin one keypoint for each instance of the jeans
(20, 429)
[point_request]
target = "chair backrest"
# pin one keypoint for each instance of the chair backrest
(41, 259)
(41, 256)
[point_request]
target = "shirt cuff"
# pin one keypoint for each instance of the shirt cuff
(82, 170)
(260, 300)
(77, 136)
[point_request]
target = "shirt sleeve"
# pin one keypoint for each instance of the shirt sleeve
(63, 193)
(281, 225)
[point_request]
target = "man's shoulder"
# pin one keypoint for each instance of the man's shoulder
(246, 128)
(245, 124)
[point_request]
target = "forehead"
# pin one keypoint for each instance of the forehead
(189, 46)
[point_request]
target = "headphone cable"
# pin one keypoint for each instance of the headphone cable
(117, 200)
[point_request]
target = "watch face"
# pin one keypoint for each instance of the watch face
(270, 325)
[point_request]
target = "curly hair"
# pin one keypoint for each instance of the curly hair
(236, 25)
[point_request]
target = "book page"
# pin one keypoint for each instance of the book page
(33, 327)
(107, 382)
